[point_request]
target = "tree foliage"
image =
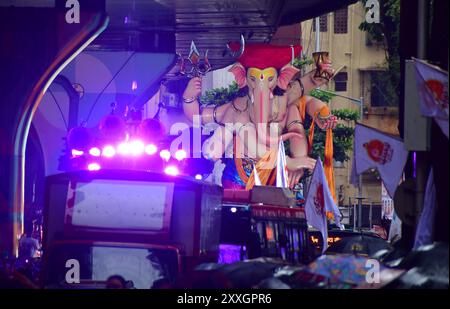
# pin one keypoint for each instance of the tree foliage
(219, 96)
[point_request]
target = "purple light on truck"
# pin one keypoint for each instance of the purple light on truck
(151, 149)
(123, 149)
(93, 166)
(171, 170)
(109, 151)
(180, 154)
(165, 154)
(95, 152)
(230, 253)
(77, 153)
(137, 148)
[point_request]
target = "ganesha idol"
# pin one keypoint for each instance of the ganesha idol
(270, 107)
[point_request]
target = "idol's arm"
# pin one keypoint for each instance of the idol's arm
(191, 105)
(308, 82)
(320, 110)
(214, 147)
(298, 147)
(298, 159)
(304, 86)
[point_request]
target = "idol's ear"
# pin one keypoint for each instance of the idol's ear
(286, 74)
(240, 75)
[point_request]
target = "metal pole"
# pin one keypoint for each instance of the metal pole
(361, 111)
(317, 22)
(422, 28)
(421, 156)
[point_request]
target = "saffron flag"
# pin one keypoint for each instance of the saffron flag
(385, 152)
(319, 201)
(432, 85)
(282, 178)
(424, 232)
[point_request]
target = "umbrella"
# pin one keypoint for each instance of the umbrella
(304, 279)
(364, 245)
(340, 268)
(238, 275)
(427, 268)
(352, 270)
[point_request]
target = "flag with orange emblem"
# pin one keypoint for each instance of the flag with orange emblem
(375, 149)
(319, 201)
(432, 85)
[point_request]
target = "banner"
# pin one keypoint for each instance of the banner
(375, 149)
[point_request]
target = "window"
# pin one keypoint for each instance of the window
(340, 81)
(323, 22)
(378, 89)
(340, 21)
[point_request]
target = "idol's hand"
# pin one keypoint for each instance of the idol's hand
(296, 167)
(193, 89)
(327, 123)
(294, 177)
(327, 67)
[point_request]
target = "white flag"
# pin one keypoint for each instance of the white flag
(432, 85)
(385, 152)
(282, 178)
(257, 179)
(318, 201)
(353, 175)
(424, 232)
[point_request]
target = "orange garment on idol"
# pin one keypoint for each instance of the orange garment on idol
(328, 153)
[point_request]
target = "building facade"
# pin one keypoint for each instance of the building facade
(359, 60)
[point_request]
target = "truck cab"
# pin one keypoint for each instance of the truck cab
(149, 228)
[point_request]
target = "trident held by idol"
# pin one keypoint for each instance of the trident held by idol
(195, 68)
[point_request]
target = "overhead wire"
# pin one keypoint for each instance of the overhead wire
(59, 108)
(106, 86)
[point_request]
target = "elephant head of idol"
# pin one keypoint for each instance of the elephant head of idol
(263, 72)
